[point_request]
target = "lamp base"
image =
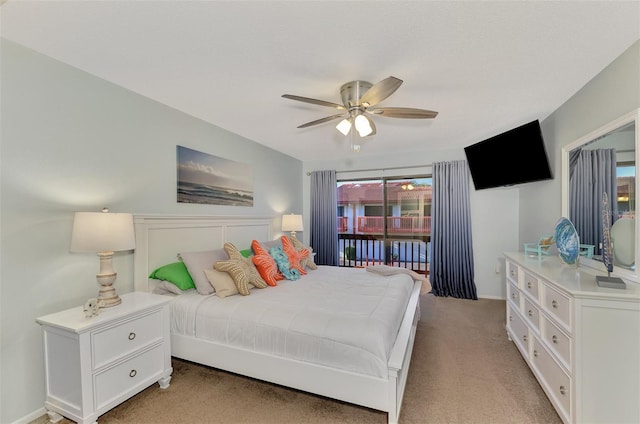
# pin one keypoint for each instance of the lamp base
(107, 297)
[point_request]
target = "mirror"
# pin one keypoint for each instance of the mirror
(605, 160)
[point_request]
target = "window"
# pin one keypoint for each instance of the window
(626, 179)
(385, 221)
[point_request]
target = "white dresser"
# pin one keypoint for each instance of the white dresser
(582, 342)
(94, 364)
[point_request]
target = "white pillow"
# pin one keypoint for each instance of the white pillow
(198, 262)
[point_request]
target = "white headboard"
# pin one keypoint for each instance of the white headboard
(159, 239)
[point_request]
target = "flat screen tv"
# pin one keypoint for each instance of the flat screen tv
(514, 157)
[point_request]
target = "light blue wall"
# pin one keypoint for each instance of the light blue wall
(73, 142)
(612, 93)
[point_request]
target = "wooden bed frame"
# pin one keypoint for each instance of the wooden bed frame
(158, 241)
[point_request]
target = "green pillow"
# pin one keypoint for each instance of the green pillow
(246, 252)
(175, 273)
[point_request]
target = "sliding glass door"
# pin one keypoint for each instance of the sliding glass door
(385, 221)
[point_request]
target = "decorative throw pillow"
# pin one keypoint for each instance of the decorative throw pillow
(265, 264)
(222, 282)
(282, 261)
(308, 261)
(241, 269)
(197, 262)
(175, 273)
(295, 256)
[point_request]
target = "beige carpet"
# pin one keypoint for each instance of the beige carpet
(463, 370)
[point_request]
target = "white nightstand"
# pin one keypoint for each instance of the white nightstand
(94, 364)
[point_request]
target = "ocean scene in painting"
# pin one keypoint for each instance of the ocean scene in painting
(208, 179)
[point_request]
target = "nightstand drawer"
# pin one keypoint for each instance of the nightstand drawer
(122, 381)
(125, 338)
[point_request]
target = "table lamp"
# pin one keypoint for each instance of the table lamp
(292, 223)
(103, 233)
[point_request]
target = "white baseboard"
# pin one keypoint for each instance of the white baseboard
(492, 297)
(32, 416)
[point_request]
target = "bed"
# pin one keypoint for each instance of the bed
(320, 356)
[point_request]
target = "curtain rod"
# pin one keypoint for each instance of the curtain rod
(379, 169)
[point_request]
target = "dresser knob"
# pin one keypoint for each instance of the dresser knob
(535, 353)
(510, 318)
(554, 304)
(132, 336)
(530, 312)
(554, 339)
(513, 295)
(529, 284)
(524, 337)
(133, 373)
(563, 391)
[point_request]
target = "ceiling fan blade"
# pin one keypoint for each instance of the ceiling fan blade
(323, 120)
(404, 112)
(380, 91)
(313, 101)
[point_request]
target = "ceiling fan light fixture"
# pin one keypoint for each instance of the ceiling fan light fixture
(363, 125)
(344, 126)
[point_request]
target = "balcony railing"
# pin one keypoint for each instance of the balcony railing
(395, 224)
(364, 250)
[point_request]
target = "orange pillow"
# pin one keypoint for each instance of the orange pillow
(267, 267)
(295, 256)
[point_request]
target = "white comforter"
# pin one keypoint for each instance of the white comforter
(343, 318)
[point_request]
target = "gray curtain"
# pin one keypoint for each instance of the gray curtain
(452, 252)
(591, 173)
(324, 217)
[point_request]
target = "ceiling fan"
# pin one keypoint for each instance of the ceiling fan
(359, 99)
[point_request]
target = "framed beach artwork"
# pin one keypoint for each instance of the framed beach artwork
(209, 179)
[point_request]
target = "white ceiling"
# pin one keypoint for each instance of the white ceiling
(486, 66)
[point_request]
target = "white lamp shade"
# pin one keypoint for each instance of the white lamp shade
(102, 232)
(344, 126)
(292, 223)
(363, 125)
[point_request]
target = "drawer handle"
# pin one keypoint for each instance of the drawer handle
(132, 336)
(529, 284)
(524, 337)
(554, 304)
(554, 339)
(535, 353)
(563, 391)
(530, 313)
(133, 373)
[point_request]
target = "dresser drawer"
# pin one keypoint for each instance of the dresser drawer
(530, 285)
(532, 314)
(512, 271)
(553, 377)
(125, 338)
(557, 305)
(519, 331)
(123, 380)
(558, 342)
(513, 294)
